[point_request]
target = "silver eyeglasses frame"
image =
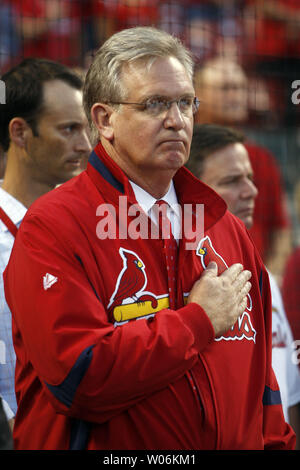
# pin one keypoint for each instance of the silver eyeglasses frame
(166, 105)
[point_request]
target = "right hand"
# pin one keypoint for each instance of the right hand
(224, 297)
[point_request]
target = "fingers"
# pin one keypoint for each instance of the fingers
(242, 280)
(243, 297)
(242, 306)
(211, 270)
(223, 297)
(236, 275)
(246, 289)
(232, 272)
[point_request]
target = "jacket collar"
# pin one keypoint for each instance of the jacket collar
(112, 182)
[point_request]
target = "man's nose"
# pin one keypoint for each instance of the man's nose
(83, 143)
(249, 189)
(174, 117)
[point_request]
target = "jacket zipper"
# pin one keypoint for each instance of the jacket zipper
(196, 393)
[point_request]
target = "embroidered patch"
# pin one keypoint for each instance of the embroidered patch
(243, 328)
(49, 280)
(130, 300)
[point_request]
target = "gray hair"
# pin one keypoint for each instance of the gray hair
(103, 82)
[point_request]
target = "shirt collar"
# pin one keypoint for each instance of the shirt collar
(146, 201)
(112, 182)
(13, 208)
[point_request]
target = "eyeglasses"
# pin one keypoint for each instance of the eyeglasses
(159, 106)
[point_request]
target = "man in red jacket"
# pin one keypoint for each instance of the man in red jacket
(152, 341)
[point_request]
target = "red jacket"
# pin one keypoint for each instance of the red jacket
(270, 213)
(94, 370)
(291, 294)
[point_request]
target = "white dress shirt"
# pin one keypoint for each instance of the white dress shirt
(15, 211)
(146, 201)
(286, 372)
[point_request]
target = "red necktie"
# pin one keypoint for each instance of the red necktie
(170, 249)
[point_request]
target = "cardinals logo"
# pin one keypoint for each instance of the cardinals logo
(130, 300)
(207, 254)
(243, 328)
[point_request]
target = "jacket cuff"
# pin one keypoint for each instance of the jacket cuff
(200, 325)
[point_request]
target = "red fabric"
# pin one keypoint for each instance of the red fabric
(291, 292)
(60, 41)
(270, 212)
(8, 222)
(125, 16)
(135, 373)
(271, 37)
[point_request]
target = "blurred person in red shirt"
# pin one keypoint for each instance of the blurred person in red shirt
(277, 32)
(51, 29)
(114, 15)
(291, 292)
(290, 284)
(222, 88)
(273, 48)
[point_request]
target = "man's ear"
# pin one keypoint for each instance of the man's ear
(101, 114)
(18, 131)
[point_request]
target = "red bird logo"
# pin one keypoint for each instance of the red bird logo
(207, 254)
(131, 281)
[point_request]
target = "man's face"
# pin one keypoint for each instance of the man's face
(228, 171)
(223, 95)
(148, 145)
(62, 145)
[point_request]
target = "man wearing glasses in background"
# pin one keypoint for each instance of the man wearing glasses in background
(151, 343)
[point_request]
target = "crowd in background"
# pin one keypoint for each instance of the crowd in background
(258, 44)
(262, 36)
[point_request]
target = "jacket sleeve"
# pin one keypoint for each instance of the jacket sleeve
(277, 433)
(89, 369)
